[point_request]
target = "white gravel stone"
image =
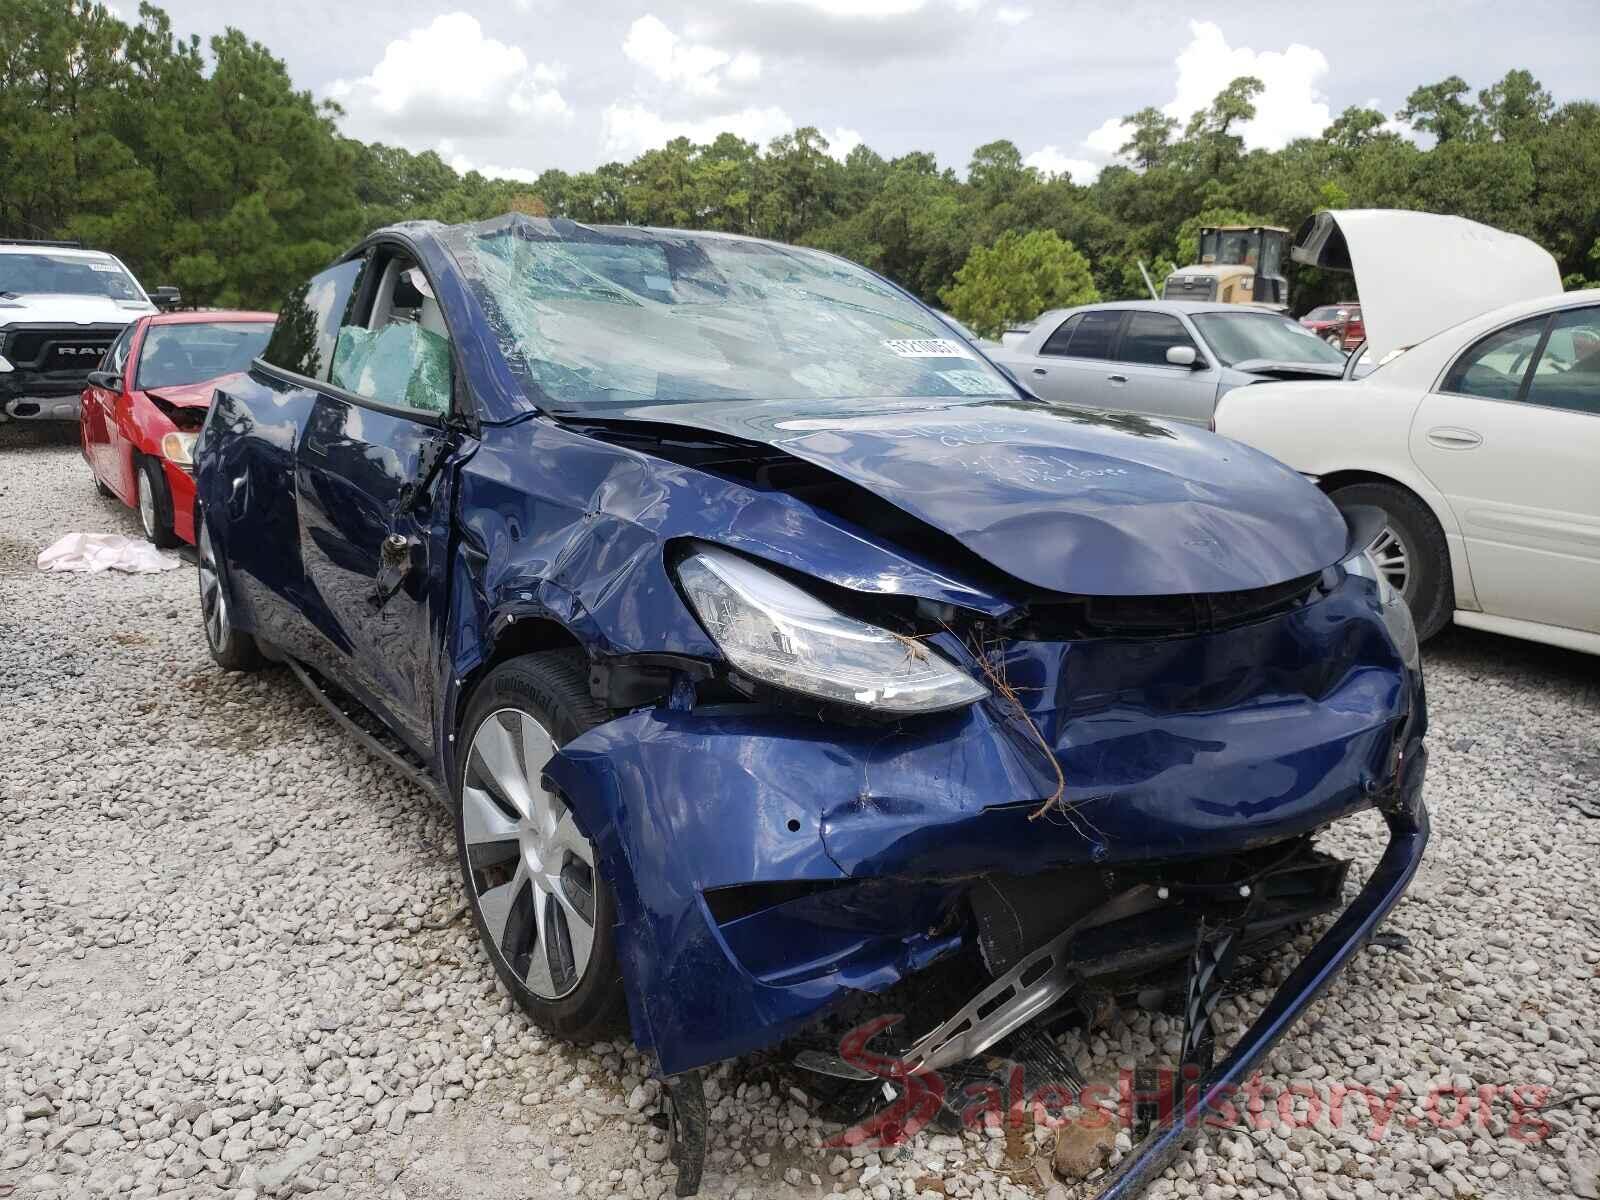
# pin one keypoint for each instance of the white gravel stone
(226, 937)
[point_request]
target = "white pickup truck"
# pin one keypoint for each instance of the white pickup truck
(61, 307)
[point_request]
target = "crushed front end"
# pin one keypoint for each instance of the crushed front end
(776, 864)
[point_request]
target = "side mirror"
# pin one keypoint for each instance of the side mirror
(110, 380)
(166, 297)
(1182, 356)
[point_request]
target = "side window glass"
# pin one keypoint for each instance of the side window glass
(117, 355)
(1095, 335)
(1568, 372)
(401, 356)
(1495, 365)
(1056, 343)
(308, 321)
(1149, 336)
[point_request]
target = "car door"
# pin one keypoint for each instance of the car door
(373, 496)
(120, 447)
(96, 415)
(1073, 362)
(1152, 384)
(1511, 436)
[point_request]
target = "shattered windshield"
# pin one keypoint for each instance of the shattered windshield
(66, 275)
(1241, 337)
(611, 316)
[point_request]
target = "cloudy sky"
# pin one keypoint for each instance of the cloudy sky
(511, 87)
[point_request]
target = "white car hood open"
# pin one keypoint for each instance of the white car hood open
(1418, 273)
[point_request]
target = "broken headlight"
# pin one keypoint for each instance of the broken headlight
(773, 631)
(1392, 606)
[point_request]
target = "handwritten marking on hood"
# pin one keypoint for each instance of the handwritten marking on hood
(1036, 470)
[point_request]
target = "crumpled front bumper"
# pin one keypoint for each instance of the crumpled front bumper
(766, 866)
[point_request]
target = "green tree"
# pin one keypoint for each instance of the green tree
(1150, 138)
(1516, 108)
(1355, 128)
(996, 173)
(1210, 133)
(1439, 109)
(1016, 279)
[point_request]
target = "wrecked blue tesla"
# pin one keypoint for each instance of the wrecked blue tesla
(772, 646)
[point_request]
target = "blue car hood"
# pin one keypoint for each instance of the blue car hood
(1067, 499)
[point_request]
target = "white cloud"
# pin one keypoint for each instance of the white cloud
(461, 164)
(1290, 104)
(872, 10)
(697, 69)
(630, 128)
(1051, 160)
(744, 68)
(841, 141)
(449, 78)
(1112, 134)
(878, 10)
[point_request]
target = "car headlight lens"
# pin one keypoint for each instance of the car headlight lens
(775, 632)
(179, 448)
(1392, 606)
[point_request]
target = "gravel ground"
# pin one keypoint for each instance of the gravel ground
(231, 961)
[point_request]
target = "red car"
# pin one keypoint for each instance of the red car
(1337, 324)
(144, 406)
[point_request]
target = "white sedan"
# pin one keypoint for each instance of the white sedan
(1481, 442)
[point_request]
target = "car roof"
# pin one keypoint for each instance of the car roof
(219, 316)
(1189, 307)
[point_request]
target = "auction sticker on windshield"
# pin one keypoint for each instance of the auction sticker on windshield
(926, 348)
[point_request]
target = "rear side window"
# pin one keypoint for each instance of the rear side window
(1568, 372)
(1056, 343)
(308, 322)
(1149, 336)
(1496, 365)
(1095, 335)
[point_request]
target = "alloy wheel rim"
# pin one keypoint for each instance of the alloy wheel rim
(147, 507)
(1390, 556)
(532, 872)
(213, 604)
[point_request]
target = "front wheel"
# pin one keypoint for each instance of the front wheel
(155, 504)
(1410, 550)
(232, 649)
(543, 910)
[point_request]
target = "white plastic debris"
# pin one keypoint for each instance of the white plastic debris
(95, 552)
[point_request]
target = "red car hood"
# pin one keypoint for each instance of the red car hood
(186, 395)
